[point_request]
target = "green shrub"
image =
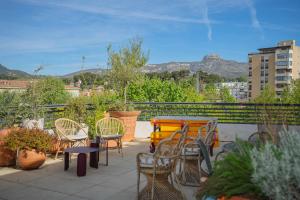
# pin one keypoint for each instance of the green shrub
(233, 175)
(28, 139)
(277, 168)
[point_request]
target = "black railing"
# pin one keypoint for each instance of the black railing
(237, 113)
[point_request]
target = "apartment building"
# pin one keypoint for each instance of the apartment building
(273, 66)
(238, 90)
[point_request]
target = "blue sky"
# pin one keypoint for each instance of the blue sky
(58, 33)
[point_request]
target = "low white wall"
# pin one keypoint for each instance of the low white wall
(227, 132)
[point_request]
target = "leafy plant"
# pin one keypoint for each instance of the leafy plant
(28, 139)
(76, 109)
(125, 65)
(9, 101)
(277, 167)
(232, 175)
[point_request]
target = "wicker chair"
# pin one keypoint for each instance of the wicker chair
(110, 128)
(159, 167)
(71, 133)
(193, 154)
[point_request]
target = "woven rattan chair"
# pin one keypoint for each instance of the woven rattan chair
(110, 128)
(71, 133)
(194, 152)
(160, 167)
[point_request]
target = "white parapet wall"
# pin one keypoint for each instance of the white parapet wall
(227, 132)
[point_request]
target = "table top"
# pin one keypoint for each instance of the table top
(184, 118)
(81, 149)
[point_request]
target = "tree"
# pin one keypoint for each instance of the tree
(225, 95)
(268, 95)
(125, 65)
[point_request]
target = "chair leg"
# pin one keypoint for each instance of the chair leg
(138, 185)
(58, 149)
(121, 147)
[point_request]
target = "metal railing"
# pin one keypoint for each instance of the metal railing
(237, 113)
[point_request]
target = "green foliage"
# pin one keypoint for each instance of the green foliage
(268, 95)
(233, 175)
(157, 90)
(292, 94)
(76, 109)
(175, 75)
(210, 92)
(125, 64)
(50, 90)
(28, 139)
(225, 95)
(277, 167)
(90, 80)
(9, 101)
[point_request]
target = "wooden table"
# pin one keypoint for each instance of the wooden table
(82, 158)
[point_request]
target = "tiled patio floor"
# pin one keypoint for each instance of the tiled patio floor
(116, 181)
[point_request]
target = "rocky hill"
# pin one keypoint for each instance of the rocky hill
(212, 64)
(6, 73)
(95, 71)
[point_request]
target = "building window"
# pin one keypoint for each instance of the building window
(262, 73)
(282, 63)
(282, 56)
(249, 95)
(250, 87)
(283, 78)
(266, 65)
(250, 74)
(291, 63)
(262, 87)
(250, 59)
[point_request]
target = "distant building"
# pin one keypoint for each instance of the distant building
(273, 66)
(22, 85)
(14, 85)
(238, 90)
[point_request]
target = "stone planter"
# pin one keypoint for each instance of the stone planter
(30, 159)
(7, 156)
(129, 119)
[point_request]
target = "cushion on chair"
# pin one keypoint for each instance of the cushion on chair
(190, 152)
(112, 136)
(148, 162)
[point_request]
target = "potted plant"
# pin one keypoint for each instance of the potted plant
(30, 145)
(232, 177)
(125, 68)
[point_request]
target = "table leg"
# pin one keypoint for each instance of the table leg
(81, 164)
(94, 159)
(66, 161)
(94, 156)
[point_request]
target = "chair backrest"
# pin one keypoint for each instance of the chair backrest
(211, 132)
(67, 127)
(109, 126)
(171, 147)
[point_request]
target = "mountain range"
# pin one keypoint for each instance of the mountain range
(6, 73)
(212, 64)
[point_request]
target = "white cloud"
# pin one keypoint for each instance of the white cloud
(255, 22)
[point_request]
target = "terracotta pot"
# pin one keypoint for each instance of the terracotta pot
(129, 119)
(30, 159)
(7, 156)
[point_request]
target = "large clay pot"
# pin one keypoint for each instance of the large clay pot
(7, 156)
(129, 119)
(30, 159)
